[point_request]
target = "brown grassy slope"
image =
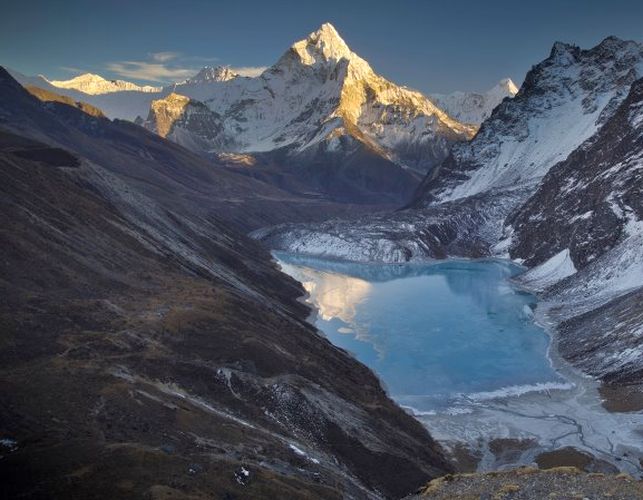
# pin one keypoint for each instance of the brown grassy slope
(147, 351)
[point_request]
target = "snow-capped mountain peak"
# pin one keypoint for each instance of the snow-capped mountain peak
(92, 84)
(473, 107)
(563, 101)
(323, 45)
(209, 74)
(318, 96)
(506, 86)
(320, 107)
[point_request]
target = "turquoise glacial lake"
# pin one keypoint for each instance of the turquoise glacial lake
(435, 334)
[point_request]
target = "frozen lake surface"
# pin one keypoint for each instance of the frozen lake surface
(457, 346)
(436, 334)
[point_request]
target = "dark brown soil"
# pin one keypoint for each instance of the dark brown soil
(533, 484)
(571, 457)
(622, 398)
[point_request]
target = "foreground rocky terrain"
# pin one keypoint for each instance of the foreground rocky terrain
(150, 350)
(528, 484)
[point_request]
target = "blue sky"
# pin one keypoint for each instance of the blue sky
(433, 46)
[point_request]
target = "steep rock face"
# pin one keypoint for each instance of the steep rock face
(593, 200)
(605, 340)
(177, 115)
(590, 208)
(145, 339)
(91, 84)
(564, 100)
(472, 107)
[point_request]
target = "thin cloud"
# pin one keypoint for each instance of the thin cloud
(200, 59)
(169, 67)
(152, 72)
(249, 70)
(71, 69)
(164, 56)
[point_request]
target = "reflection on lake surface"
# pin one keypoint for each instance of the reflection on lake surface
(335, 296)
(432, 332)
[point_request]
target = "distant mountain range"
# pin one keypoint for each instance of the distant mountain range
(95, 85)
(320, 116)
(473, 107)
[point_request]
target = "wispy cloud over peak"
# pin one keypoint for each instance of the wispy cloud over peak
(164, 56)
(170, 66)
(72, 69)
(149, 71)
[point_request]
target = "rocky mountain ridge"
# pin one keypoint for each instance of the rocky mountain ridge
(564, 100)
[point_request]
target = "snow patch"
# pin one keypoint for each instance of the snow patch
(518, 390)
(302, 453)
(550, 272)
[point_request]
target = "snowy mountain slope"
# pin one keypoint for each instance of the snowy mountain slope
(590, 207)
(209, 74)
(472, 107)
(319, 95)
(592, 201)
(563, 101)
(95, 84)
